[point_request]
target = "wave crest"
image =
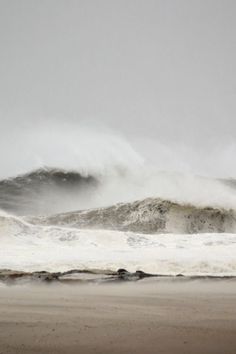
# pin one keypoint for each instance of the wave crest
(45, 190)
(149, 216)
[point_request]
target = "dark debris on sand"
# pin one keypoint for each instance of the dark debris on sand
(84, 276)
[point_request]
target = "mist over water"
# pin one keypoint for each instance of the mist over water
(113, 170)
(88, 150)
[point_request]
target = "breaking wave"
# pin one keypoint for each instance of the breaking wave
(47, 191)
(149, 216)
(90, 168)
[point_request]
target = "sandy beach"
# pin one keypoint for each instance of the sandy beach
(144, 317)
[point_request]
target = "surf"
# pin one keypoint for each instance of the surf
(28, 247)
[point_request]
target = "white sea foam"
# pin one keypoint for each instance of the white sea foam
(28, 247)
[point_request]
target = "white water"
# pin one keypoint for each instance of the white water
(28, 247)
(123, 176)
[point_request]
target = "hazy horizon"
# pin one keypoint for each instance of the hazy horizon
(158, 73)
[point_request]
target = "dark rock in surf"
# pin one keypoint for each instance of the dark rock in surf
(139, 274)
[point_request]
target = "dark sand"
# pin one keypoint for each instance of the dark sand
(179, 317)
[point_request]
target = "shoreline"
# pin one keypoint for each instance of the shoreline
(97, 276)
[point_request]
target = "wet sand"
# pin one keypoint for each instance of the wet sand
(181, 317)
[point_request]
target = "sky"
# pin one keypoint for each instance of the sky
(161, 73)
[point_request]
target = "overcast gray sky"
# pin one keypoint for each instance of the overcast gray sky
(162, 72)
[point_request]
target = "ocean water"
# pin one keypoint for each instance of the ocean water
(104, 207)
